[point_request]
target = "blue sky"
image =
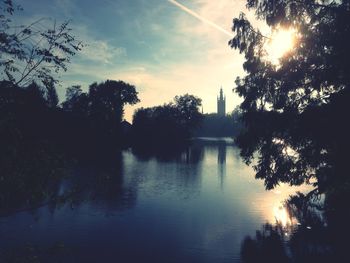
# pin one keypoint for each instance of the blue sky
(154, 44)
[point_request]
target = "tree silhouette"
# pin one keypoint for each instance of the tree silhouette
(107, 100)
(187, 106)
(169, 124)
(213, 125)
(73, 95)
(29, 53)
(94, 117)
(293, 112)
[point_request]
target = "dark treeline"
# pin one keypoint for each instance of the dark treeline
(30, 159)
(216, 126)
(213, 125)
(94, 118)
(170, 124)
(85, 120)
(39, 137)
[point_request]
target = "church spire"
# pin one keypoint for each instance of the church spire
(221, 103)
(221, 94)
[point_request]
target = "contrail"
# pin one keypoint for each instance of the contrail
(203, 19)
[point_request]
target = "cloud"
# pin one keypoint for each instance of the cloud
(101, 51)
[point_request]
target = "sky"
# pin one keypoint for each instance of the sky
(163, 47)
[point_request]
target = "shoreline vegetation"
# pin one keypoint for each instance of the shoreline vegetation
(42, 139)
(38, 137)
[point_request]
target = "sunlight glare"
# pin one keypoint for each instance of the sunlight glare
(281, 216)
(282, 41)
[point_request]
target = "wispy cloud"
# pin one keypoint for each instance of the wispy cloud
(101, 51)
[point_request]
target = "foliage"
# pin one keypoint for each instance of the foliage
(30, 159)
(213, 125)
(317, 237)
(38, 139)
(95, 117)
(188, 110)
(30, 156)
(103, 103)
(30, 53)
(271, 244)
(73, 95)
(293, 112)
(167, 124)
(108, 99)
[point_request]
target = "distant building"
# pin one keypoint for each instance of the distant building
(221, 104)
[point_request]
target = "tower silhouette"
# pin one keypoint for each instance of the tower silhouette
(221, 100)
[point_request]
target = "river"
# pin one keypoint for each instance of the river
(197, 205)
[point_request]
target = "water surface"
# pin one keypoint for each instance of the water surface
(197, 205)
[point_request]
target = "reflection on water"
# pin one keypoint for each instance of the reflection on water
(282, 217)
(302, 233)
(192, 205)
(222, 163)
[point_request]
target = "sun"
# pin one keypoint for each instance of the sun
(281, 42)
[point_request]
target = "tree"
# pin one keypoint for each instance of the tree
(168, 124)
(73, 98)
(188, 108)
(293, 112)
(213, 125)
(107, 100)
(95, 116)
(104, 102)
(28, 53)
(31, 126)
(51, 95)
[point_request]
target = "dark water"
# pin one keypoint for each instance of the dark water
(194, 206)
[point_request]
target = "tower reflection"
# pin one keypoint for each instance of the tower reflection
(222, 163)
